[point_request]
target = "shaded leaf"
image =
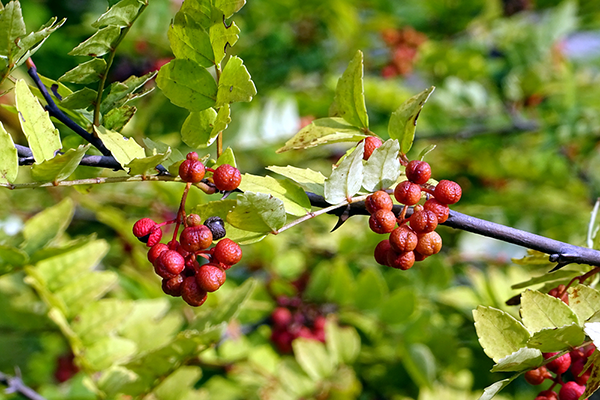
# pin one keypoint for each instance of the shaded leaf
(88, 287)
(373, 289)
(60, 167)
(11, 258)
(147, 165)
(323, 131)
(593, 382)
(539, 311)
(121, 14)
(12, 27)
(221, 37)
(29, 44)
(383, 167)
(88, 72)
(306, 178)
(313, 358)
(420, 364)
(257, 212)
(99, 43)
(189, 40)
(117, 118)
(346, 180)
(343, 344)
(403, 121)
(390, 310)
(492, 390)
(557, 339)
(294, 199)
(548, 277)
(121, 92)
(123, 149)
(178, 384)
(499, 333)
(41, 134)
(235, 83)
(101, 319)
(9, 157)
(161, 148)
(197, 128)
(349, 101)
(80, 99)
(521, 360)
(187, 85)
(43, 227)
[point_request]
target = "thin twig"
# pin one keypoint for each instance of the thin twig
(15, 385)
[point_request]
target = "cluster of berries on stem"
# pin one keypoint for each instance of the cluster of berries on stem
(293, 319)
(189, 267)
(403, 45)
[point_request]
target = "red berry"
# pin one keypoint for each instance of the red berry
(381, 252)
(447, 192)
(171, 261)
(537, 376)
(155, 251)
(547, 395)
(193, 220)
(418, 171)
(191, 170)
(407, 193)
(227, 178)
(559, 365)
(227, 252)
(281, 317)
(571, 391)
(577, 370)
(423, 221)
(379, 201)
(143, 228)
(195, 238)
(401, 261)
(429, 243)
(191, 292)
(173, 286)
(441, 210)
(371, 143)
(419, 256)
(210, 277)
(154, 237)
(192, 155)
(403, 239)
(383, 221)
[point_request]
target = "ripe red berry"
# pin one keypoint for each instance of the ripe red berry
(418, 171)
(559, 365)
(423, 221)
(401, 261)
(371, 143)
(407, 193)
(154, 237)
(403, 239)
(383, 221)
(191, 170)
(191, 292)
(577, 370)
(571, 391)
(227, 178)
(419, 256)
(447, 192)
(227, 252)
(155, 251)
(560, 293)
(210, 277)
(171, 261)
(547, 395)
(429, 243)
(379, 200)
(441, 210)
(381, 251)
(281, 317)
(173, 286)
(537, 376)
(193, 220)
(142, 229)
(195, 238)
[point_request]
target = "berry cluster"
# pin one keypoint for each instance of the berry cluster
(293, 319)
(411, 239)
(177, 262)
(570, 390)
(403, 45)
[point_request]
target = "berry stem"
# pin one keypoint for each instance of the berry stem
(580, 278)
(181, 211)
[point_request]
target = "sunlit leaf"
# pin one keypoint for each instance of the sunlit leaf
(539, 311)
(521, 360)
(120, 93)
(309, 180)
(223, 36)
(235, 83)
(257, 212)
(147, 165)
(189, 40)
(584, 301)
(383, 167)
(346, 180)
(187, 85)
(294, 199)
(492, 390)
(9, 157)
(60, 167)
(229, 7)
(123, 149)
(121, 14)
(403, 121)
(323, 131)
(499, 333)
(99, 43)
(557, 339)
(313, 358)
(349, 101)
(197, 128)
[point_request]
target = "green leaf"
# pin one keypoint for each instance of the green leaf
(420, 364)
(89, 287)
(109, 351)
(178, 384)
(306, 178)
(28, 45)
(227, 157)
(391, 313)
(346, 180)
(593, 382)
(99, 43)
(341, 289)
(295, 379)
(343, 344)
(122, 92)
(492, 390)
(222, 37)
(147, 165)
(229, 7)
(294, 199)
(222, 121)
(101, 318)
(11, 258)
(121, 14)
(123, 149)
(499, 333)
(114, 379)
(403, 121)
(9, 157)
(88, 72)
(313, 358)
(80, 99)
(60, 167)
(584, 301)
(117, 118)
(12, 27)
(373, 289)
(41, 134)
(383, 167)
(162, 148)
(521, 360)
(323, 131)
(43, 227)
(190, 41)
(549, 277)
(349, 101)
(187, 85)
(557, 339)
(257, 212)
(235, 83)
(539, 311)
(426, 151)
(197, 128)
(202, 11)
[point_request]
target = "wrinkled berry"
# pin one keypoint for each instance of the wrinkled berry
(383, 221)
(143, 228)
(172, 261)
(210, 277)
(155, 251)
(191, 170)
(216, 226)
(227, 178)
(423, 221)
(429, 243)
(154, 237)
(401, 261)
(381, 251)
(195, 238)
(371, 143)
(403, 239)
(537, 376)
(447, 192)
(418, 171)
(191, 292)
(441, 210)
(379, 201)
(407, 193)
(547, 395)
(173, 286)
(227, 252)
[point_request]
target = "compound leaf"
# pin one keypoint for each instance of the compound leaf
(499, 333)
(88, 72)
(294, 199)
(121, 14)
(189, 40)
(123, 149)
(539, 311)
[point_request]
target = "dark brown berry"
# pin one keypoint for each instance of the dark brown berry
(173, 286)
(195, 238)
(371, 143)
(379, 201)
(227, 178)
(227, 252)
(381, 251)
(571, 391)
(191, 171)
(172, 262)
(155, 251)
(210, 277)
(401, 261)
(441, 210)
(216, 226)
(383, 221)
(423, 221)
(407, 193)
(537, 376)
(447, 192)
(193, 220)
(418, 172)
(559, 365)
(191, 292)
(403, 239)
(429, 243)
(143, 228)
